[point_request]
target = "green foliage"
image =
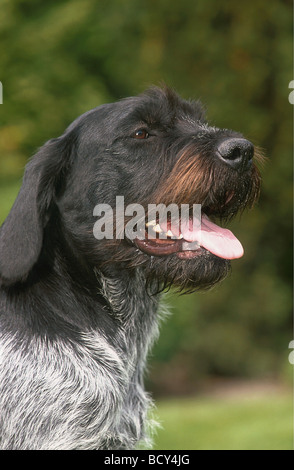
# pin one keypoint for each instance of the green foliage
(8, 193)
(59, 59)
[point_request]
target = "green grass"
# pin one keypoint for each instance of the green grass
(263, 423)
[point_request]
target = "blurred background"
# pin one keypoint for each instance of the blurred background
(220, 372)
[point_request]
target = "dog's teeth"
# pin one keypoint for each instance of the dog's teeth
(157, 228)
(169, 233)
(152, 223)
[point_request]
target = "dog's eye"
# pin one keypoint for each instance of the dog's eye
(141, 134)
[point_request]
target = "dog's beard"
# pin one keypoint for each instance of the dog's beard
(199, 273)
(163, 272)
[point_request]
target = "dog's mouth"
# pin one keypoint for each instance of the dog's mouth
(188, 240)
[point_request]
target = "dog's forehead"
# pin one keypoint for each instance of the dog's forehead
(155, 109)
(158, 106)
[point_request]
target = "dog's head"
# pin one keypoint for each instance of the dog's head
(152, 149)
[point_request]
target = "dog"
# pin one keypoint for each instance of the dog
(79, 313)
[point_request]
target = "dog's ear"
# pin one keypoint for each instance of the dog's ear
(21, 235)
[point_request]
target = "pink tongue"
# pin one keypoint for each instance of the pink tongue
(219, 241)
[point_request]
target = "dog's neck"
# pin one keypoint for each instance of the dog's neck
(135, 310)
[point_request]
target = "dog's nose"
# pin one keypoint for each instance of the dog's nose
(236, 152)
